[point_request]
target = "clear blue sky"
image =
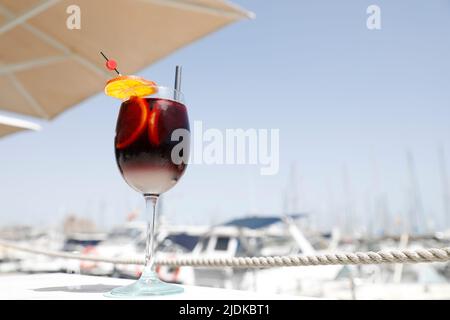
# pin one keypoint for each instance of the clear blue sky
(341, 95)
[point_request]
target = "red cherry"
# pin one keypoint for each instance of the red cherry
(111, 64)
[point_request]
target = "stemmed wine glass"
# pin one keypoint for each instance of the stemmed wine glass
(152, 148)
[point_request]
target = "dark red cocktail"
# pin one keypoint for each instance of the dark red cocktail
(144, 143)
(152, 150)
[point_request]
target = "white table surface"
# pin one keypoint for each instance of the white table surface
(59, 286)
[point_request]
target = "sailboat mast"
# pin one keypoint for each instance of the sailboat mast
(348, 206)
(445, 186)
(416, 210)
(290, 201)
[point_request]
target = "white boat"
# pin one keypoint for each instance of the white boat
(250, 236)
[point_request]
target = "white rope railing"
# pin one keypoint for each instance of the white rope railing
(357, 258)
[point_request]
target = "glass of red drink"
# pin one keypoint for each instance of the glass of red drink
(152, 149)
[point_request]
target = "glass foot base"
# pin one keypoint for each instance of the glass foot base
(148, 285)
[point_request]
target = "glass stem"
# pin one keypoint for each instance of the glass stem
(150, 208)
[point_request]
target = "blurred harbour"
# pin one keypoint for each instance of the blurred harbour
(287, 233)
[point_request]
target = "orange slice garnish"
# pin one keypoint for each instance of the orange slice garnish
(124, 87)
